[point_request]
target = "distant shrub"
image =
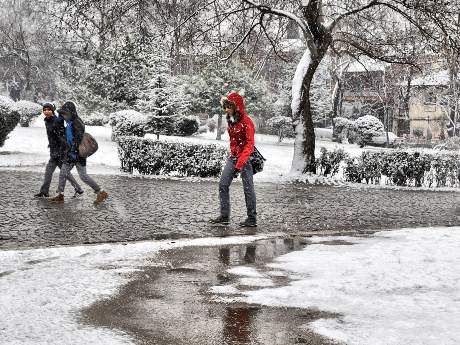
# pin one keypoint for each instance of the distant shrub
(281, 126)
(367, 127)
(160, 125)
(27, 111)
(186, 126)
(96, 119)
(127, 123)
(342, 126)
(212, 125)
(154, 157)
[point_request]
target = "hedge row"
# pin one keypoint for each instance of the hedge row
(404, 169)
(152, 157)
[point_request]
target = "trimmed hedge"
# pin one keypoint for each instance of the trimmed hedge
(151, 157)
(404, 169)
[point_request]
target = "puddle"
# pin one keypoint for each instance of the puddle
(170, 302)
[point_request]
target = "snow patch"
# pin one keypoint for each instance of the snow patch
(43, 290)
(399, 287)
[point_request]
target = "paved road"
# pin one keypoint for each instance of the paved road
(143, 209)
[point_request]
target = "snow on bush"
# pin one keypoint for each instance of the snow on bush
(404, 169)
(9, 118)
(126, 123)
(96, 119)
(367, 127)
(281, 126)
(160, 125)
(329, 162)
(186, 126)
(342, 126)
(451, 144)
(151, 157)
(212, 125)
(173, 125)
(27, 111)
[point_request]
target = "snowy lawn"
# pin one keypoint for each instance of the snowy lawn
(27, 148)
(400, 287)
(43, 290)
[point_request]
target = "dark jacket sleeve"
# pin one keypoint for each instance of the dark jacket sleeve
(78, 132)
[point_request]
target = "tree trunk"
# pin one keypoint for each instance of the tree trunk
(304, 145)
(219, 127)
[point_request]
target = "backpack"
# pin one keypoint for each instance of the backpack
(88, 146)
(257, 161)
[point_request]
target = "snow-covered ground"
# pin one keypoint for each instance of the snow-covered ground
(42, 290)
(393, 288)
(26, 148)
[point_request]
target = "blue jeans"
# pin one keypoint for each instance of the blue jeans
(248, 186)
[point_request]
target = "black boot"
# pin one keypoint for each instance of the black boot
(250, 222)
(41, 195)
(220, 220)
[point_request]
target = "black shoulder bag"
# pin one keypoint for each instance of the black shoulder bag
(257, 161)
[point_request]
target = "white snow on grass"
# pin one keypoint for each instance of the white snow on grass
(400, 287)
(43, 290)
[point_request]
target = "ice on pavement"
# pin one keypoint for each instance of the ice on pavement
(43, 290)
(393, 288)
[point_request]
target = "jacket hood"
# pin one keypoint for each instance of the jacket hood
(238, 100)
(68, 107)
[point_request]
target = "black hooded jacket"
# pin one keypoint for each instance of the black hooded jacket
(56, 137)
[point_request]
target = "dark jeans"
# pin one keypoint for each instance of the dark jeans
(53, 163)
(81, 169)
(248, 186)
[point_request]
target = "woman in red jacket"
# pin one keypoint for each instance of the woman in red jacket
(241, 133)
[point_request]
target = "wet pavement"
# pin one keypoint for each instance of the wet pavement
(169, 302)
(146, 209)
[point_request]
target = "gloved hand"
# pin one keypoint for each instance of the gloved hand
(236, 173)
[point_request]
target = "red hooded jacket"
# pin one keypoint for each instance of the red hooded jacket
(241, 134)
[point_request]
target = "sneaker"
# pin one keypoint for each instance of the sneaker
(77, 194)
(41, 195)
(100, 197)
(57, 199)
(220, 220)
(249, 223)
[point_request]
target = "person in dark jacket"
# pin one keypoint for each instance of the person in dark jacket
(241, 132)
(57, 145)
(74, 132)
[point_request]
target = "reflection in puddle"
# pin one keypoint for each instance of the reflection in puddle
(172, 303)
